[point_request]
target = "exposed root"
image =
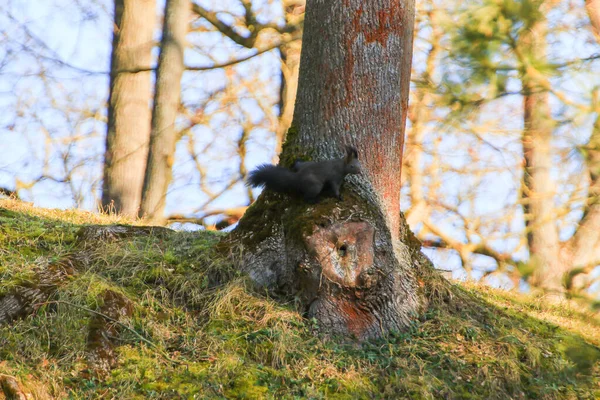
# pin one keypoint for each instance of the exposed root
(22, 301)
(91, 234)
(11, 388)
(104, 333)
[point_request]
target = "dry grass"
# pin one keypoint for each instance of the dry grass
(228, 341)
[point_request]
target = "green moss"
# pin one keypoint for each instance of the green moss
(291, 150)
(296, 216)
(230, 342)
(583, 355)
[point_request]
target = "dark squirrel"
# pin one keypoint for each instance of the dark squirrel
(308, 178)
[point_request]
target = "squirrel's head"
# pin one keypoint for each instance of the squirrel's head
(351, 163)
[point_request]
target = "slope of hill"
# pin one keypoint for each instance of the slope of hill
(93, 311)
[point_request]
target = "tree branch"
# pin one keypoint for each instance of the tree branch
(230, 217)
(238, 60)
(225, 29)
(252, 25)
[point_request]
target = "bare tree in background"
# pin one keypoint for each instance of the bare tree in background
(129, 115)
(540, 256)
(165, 109)
(52, 122)
(247, 32)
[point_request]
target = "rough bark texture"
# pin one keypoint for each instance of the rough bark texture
(166, 106)
(128, 127)
(355, 74)
(348, 262)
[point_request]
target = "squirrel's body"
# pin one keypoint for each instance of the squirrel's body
(310, 178)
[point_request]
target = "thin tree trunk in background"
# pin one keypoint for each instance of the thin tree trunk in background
(128, 125)
(350, 264)
(538, 186)
(420, 112)
(164, 113)
(290, 65)
(593, 10)
(582, 250)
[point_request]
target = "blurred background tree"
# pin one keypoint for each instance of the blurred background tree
(501, 167)
(128, 125)
(506, 55)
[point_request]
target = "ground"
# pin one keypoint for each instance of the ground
(193, 327)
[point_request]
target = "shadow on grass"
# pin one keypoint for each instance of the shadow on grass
(231, 342)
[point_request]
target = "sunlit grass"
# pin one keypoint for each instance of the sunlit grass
(212, 335)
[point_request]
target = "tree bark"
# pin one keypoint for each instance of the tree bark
(351, 263)
(290, 66)
(538, 186)
(593, 10)
(356, 67)
(166, 105)
(128, 127)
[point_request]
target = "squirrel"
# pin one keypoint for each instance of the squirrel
(308, 178)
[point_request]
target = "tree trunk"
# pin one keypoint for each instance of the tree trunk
(582, 250)
(290, 65)
(166, 105)
(128, 125)
(593, 10)
(351, 263)
(420, 114)
(538, 186)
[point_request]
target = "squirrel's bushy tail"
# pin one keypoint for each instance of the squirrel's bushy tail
(272, 177)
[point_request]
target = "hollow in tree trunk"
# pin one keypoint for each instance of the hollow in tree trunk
(351, 263)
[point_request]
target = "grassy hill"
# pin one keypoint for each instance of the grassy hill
(154, 314)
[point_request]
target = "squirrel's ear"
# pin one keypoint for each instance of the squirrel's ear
(351, 153)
